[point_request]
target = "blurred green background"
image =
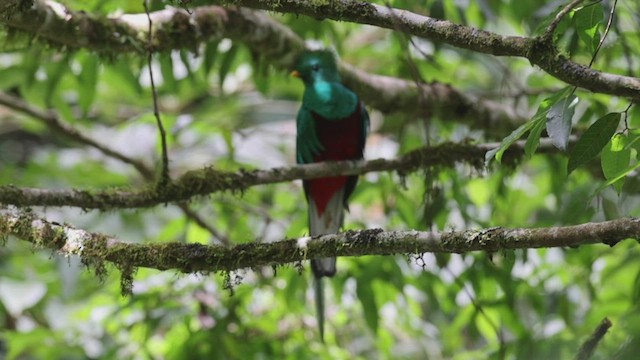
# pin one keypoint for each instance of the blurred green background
(221, 108)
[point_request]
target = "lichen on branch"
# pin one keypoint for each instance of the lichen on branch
(205, 181)
(95, 248)
(176, 28)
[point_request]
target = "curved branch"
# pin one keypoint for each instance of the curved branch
(538, 51)
(96, 248)
(589, 346)
(178, 29)
(548, 34)
(54, 122)
(208, 180)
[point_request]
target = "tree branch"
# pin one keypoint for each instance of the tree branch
(54, 122)
(548, 34)
(164, 172)
(12, 6)
(208, 180)
(538, 51)
(95, 248)
(178, 29)
(589, 346)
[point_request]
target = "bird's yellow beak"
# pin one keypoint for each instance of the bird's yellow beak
(295, 73)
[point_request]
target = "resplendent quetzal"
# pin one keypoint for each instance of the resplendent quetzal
(332, 125)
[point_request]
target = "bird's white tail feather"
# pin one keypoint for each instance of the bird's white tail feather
(329, 222)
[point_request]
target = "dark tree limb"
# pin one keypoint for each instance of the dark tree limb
(589, 346)
(178, 29)
(97, 248)
(206, 181)
(536, 49)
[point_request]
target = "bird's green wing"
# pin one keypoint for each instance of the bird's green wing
(307, 142)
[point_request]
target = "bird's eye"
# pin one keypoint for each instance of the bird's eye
(315, 67)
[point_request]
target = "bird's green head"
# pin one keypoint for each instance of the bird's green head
(316, 65)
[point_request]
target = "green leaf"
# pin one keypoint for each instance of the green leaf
(54, 74)
(184, 58)
(534, 136)
(587, 21)
(166, 68)
(365, 294)
(88, 80)
(543, 109)
(261, 74)
(615, 158)
(122, 76)
(226, 63)
(621, 175)
(593, 140)
(506, 142)
(210, 54)
(541, 28)
(30, 65)
(452, 12)
(559, 121)
(11, 77)
(635, 297)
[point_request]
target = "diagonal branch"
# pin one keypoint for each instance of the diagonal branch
(178, 29)
(589, 346)
(95, 247)
(538, 51)
(208, 180)
(548, 34)
(54, 122)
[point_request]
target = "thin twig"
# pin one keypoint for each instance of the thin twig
(606, 32)
(54, 122)
(476, 304)
(626, 115)
(203, 224)
(548, 34)
(589, 346)
(164, 175)
(604, 36)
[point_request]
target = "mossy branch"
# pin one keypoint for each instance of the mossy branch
(178, 29)
(55, 123)
(96, 248)
(537, 50)
(208, 180)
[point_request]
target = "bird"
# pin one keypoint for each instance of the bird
(332, 125)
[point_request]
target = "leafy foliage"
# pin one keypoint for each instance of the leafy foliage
(593, 140)
(227, 108)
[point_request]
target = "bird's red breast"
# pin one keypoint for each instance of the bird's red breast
(342, 140)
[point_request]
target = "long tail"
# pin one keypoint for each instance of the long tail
(328, 222)
(318, 281)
